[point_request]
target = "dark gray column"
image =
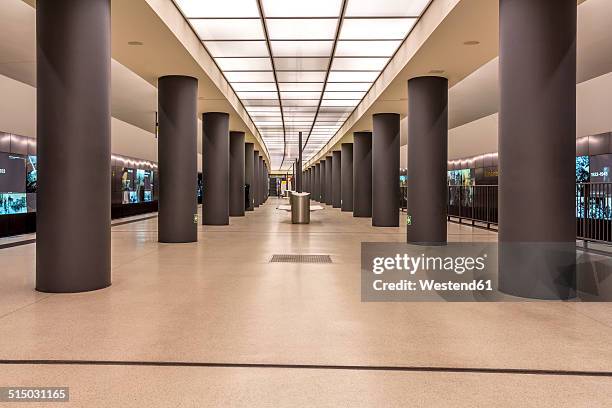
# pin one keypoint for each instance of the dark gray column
(236, 174)
(73, 44)
(298, 171)
(362, 174)
(347, 177)
(537, 147)
(336, 180)
(256, 183)
(294, 178)
(317, 182)
(385, 169)
(215, 168)
(261, 181)
(328, 180)
(427, 159)
(177, 100)
(311, 181)
(249, 172)
(323, 177)
(266, 183)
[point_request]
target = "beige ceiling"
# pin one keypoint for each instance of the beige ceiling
(135, 69)
(446, 25)
(477, 95)
(133, 100)
(435, 44)
(471, 70)
(170, 49)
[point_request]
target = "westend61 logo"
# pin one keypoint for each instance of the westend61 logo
(411, 264)
(458, 272)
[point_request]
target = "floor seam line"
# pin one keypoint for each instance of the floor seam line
(28, 305)
(587, 316)
(467, 370)
(134, 259)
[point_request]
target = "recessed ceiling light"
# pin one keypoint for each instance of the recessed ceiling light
(436, 71)
(472, 42)
(135, 43)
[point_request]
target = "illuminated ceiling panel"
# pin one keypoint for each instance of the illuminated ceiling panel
(301, 66)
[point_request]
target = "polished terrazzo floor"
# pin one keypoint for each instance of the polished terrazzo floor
(221, 301)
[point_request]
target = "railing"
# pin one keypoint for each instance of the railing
(594, 212)
(478, 206)
(475, 204)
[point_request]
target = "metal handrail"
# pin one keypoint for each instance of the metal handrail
(478, 206)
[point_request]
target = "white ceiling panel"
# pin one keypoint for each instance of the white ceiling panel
(376, 29)
(302, 29)
(237, 48)
(234, 29)
(386, 8)
(215, 8)
(244, 64)
(317, 73)
(310, 8)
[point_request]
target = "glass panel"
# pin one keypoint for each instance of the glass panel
(251, 109)
(296, 123)
(330, 114)
(244, 64)
(387, 28)
(309, 8)
(300, 95)
(228, 29)
(216, 8)
(352, 76)
(386, 8)
(254, 86)
(367, 48)
(301, 48)
(344, 95)
(268, 123)
(300, 102)
(263, 124)
(359, 64)
(300, 76)
(257, 95)
(302, 29)
(306, 121)
(349, 86)
(260, 102)
(265, 76)
(298, 64)
(237, 48)
(306, 86)
(257, 116)
(298, 110)
(325, 109)
(347, 103)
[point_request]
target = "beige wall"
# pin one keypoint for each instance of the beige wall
(593, 116)
(17, 107)
(18, 116)
(594, 107)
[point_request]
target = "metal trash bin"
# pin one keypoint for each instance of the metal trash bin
(300, 208)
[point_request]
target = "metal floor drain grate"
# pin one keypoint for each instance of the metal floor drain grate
(318, 259)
